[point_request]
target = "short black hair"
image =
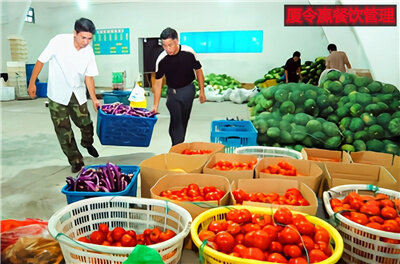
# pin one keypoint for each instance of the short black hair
(296, 54)
(85, 25)
(169, 33)
(332, 47)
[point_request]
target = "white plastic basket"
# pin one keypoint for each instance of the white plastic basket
(363, 245)
(265, 152)
(83, 217)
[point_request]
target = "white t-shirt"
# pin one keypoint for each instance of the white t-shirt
(67, 69)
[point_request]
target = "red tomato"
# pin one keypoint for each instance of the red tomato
(240, 196)
(117, 233)
(106, 243)
(289, 235)
(388, 212)
(377, 219)
(321, 235)
(109, 237)
(386, 202)
(116, 244)
(277, 258)
(97, 237)
(253, 253)
(84, 239)
(212, 244)
(206, 234)
(103, 228)
(167, 234)
(370, 208)
(272, 231)
(354, 200)
(249, 227)
(308, 243)
(225, 242)
(239, 216)
(212, 196)
(283, 216)
(261, 220)
(217, 226)
(316, 255)
(276, 247)
(239, 248)
(132, 233)
(299, 260)
(374, 225)
(259, 239)
(155, 235)
(391, 226)
(128, 241)
(292, 251)
(233, 228)
(239, 238)
(359, 218)
(305, 227)
(234, 254)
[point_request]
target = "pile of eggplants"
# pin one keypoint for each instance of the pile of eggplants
(121, 109)
(108, 178)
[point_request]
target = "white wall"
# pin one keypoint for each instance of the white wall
(148, 19)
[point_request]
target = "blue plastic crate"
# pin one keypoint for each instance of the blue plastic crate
(130, 190)
(124, 130)
(232, 134)
(41, 89)
(116, 96)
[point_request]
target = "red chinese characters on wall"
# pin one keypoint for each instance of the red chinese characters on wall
(340, 15)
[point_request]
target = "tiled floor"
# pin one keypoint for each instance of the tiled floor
(33, 167)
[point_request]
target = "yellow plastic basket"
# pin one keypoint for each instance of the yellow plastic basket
(213, 256)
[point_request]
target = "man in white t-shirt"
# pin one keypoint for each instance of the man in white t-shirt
(72, 67)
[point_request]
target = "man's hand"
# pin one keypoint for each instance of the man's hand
(32, 90)
(154, 109)
(96, 104)
(202, 97)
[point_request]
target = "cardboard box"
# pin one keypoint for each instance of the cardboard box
(279, 186)
(177, 181)
(214, 147)
(360, 72)
(152, 169)
(232, 175)
(342, 156)
(389, 161)
(341, 174)
(311, 174)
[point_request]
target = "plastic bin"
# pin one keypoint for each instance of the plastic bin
(233, 134)
(41, 89)
(267, 152)
(124, 130)
(116, 96)
(80, 219)
(213, 256)
(130, 190)
(363, 245)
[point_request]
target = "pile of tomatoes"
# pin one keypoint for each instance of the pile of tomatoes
(196, 151)
(227, 165)
(292, 196)
(119, 237)
(377, 212)
(282, 168)
(194, 193)
(281, 238)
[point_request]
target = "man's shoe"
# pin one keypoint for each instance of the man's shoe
(77, 167)
(92, 151)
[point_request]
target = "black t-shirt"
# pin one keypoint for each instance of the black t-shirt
(291, 66)
(178, 69)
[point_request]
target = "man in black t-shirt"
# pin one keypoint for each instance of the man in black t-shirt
(179, 65)
(292, 68)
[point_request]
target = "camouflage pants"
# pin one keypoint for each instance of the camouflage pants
(60, 115)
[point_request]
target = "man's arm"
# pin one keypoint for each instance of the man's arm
(35, 73)
(327, 63)
(200, 79)
(89, 81)
(157, 94)
(286, 76)
(299, 72)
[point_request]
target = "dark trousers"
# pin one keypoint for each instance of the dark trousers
(179, 104)
(61, 115)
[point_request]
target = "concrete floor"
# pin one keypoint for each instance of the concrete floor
(34, 169)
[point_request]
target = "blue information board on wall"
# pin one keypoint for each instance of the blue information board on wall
(243, 41)
(111, 41)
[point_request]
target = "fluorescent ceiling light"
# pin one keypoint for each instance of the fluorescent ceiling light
(83, 4)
